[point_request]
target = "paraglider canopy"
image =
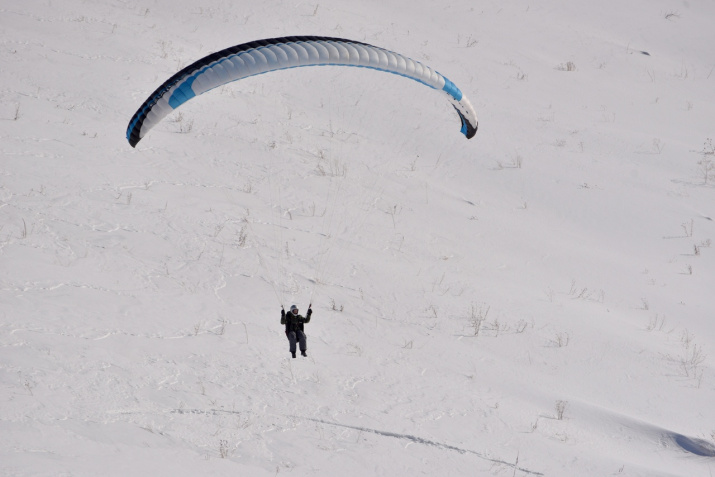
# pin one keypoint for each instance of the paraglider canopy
(263, 56)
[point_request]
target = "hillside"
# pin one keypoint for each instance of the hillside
(533, 301)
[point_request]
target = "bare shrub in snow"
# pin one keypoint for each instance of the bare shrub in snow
(692, 358)
(496, 327)
(560, 340)
(469, 42)
(656, 324)
(560, 409)
(185, 126)
(515, 163)
(477, 315)
(330, 168)
(707, 163)
(579, 293)
(242, 236)
(335, 307)
(223, 449)
(568, 66)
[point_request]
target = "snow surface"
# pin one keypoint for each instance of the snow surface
(140, 289)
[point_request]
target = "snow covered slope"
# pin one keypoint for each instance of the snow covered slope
(534, 301)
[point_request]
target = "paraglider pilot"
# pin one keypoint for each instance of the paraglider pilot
(294, 328)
